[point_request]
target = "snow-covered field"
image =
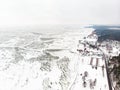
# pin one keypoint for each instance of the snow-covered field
(64, 61)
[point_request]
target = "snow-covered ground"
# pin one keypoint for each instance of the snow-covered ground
(62, 61)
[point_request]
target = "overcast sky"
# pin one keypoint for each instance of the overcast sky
(37, 12)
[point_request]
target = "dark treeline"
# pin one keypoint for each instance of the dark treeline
(114, 69)
(107, 32)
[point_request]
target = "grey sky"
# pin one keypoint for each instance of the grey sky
(36, 12)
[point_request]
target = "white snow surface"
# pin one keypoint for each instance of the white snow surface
(51, 63)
